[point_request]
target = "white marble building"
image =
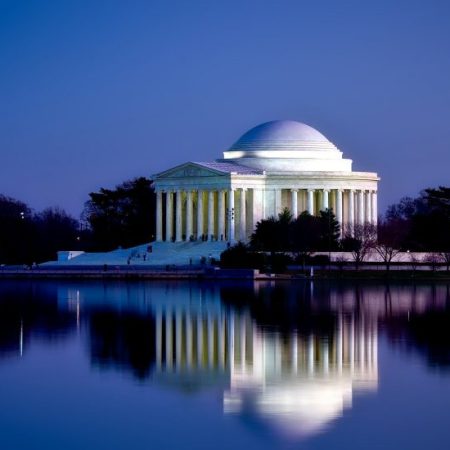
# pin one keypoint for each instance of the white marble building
(274, 165)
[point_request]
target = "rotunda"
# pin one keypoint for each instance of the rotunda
(275, 165)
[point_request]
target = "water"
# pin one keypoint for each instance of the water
(91, 365)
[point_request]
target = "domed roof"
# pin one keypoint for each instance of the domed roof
(280, 135)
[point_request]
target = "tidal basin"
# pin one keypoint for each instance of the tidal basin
(224, 365)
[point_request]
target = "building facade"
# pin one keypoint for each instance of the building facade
(276, 165)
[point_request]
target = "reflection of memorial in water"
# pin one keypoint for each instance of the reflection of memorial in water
(299, 383)
(285, 355)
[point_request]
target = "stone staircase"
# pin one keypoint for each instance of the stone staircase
(161, 254)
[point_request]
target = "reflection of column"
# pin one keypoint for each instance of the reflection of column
(188, 341)
(375, 345)
(339, 344)
(210, 341)
(179, 220)
(199, 214)
(325, 356)
(231, 236)
(158, 216)
(352, 345)
(169, 345)
(362, 346)
(311, 354)
(242, 216)
(294, 353)
(199, 341)
(230, 350)
(210, 215)
(221, 342)
(242, 343)
(311, 201)
(169, 216)
(294, 203)
(158, 339)
(178, 339)
(221, 218)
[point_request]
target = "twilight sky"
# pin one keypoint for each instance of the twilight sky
(96, 92)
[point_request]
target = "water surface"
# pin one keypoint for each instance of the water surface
(159, 365)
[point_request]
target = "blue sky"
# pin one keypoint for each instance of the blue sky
(95, 92)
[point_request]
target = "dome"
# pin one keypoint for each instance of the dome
(281, 135)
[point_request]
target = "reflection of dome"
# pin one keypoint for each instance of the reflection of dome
(282, 135)
(299, 408)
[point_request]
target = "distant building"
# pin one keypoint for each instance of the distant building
(276, 165)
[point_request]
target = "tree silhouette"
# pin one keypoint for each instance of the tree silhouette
(124, 216)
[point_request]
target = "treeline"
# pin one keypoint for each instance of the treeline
(27, 236)
(419, 224)
(112, 218)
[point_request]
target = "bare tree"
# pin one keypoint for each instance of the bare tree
(360, 241)
(413, 261)
(433, 260)
(445, 257)
(387, 253)
(390, 236)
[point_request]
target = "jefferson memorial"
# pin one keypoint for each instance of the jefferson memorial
(275, 165)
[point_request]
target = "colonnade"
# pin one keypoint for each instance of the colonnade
(210, 215)
(207, 215)
(188, 340)
(191, 341)
(351, 206)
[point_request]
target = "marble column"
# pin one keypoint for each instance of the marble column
(374, 208)
(339, 207)
(189, 215)
(294, 203)
(179, 219)
(230, 215)
(325, 199)
(242, 216)
(210, 215)
(311, 201)
(158, 216)
(221, 213)
(278, 202)
(169, 216)
(199, 214)
(351, 210)
(368, 207)
(360, 207)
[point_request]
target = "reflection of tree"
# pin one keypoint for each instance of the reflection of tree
(427, 333)
(125, 340)
(30, 311)
(284, 308)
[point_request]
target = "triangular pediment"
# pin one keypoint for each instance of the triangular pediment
(189, 169)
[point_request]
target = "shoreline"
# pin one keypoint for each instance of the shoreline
(126, 273)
